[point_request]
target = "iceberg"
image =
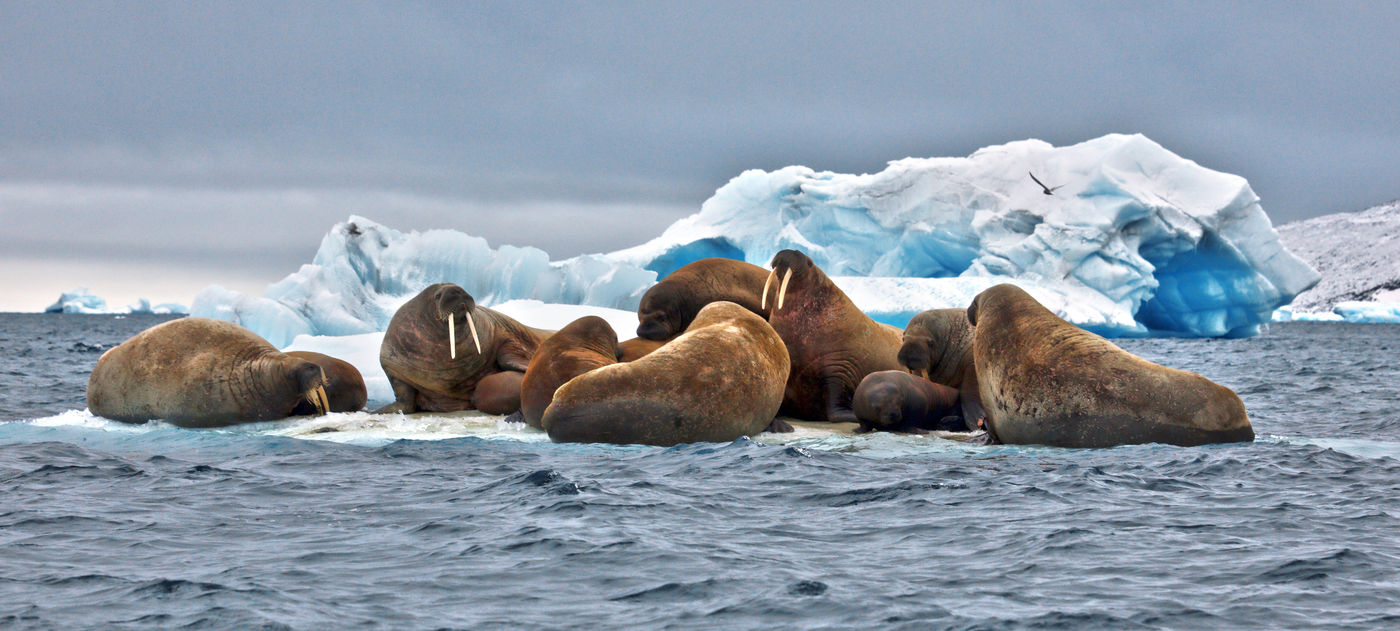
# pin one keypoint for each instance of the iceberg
(1135, 241)
(1359, 256)
(1368, 312)
(80, 300)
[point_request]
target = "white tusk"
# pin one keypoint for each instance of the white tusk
(452, 335)
(472, 324)
(325, 402)
(782, 290)
(763, 304)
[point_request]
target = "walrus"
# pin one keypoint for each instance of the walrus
(443, 353)
(721, 379)
(1045, 381)
(937, 345)
(201, 372)
(832, 345)
(896, 401)
(668, 307)
(582, 345)
(345, 388)
(636, 348)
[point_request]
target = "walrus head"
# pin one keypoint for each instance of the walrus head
(914, 355)
(785, 264)
(311, 382)
(879, 405)
(595, 332)
(449, 300)
(659, 312)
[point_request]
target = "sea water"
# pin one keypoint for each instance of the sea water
(466, 521)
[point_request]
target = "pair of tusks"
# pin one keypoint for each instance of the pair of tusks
(452, 333)
(317, 398)
(782, 290)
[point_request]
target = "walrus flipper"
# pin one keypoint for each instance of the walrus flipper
(838, 400)
(779, 426)
(405, 398)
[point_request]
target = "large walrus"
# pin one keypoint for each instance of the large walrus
(582, 345)
(201, 372)
(668, 307)
(722, 379)
(442, 353)
(896, 401)
(938, 346)
(831, 343)
(345, 387)
(1045, 381)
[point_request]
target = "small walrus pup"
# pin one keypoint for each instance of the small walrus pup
(345, 388)
(667, 309)
(1045, 381)
(938, 347)
(722, 379)
(582, 345)
(831, 343)
(433, 365)
(201, 372)
(896, 401)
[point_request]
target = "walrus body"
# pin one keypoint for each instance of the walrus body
(419, 346)
(583, 345)
(937, 345)
(722, 379)
(201, 372)
(1045, 381)
(832, 345)
(667, 309)
(345, 388)
(896, 401)
(637, 348)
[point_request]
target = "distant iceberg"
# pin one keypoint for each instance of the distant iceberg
(80, 300)
(1138, 241)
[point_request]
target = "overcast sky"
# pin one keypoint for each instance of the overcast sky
(150, 149)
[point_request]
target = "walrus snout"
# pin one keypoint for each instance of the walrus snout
(914, 355)
(311, 382)
(448, 301)
(653, 328)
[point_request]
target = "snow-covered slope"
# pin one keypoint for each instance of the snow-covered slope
(1136, 240)
(1357, 253)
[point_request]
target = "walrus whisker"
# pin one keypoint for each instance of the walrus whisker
(782, 290)
(452, 335)
(763, 304)
(471, 324)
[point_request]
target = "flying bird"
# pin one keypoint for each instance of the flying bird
(1048, 190)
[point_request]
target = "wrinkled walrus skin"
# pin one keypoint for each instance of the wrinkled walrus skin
(201, 372)
(722, 379)
(1045, 381)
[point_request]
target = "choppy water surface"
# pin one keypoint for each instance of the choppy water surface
(287, 525)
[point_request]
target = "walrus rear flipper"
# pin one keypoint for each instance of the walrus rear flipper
(838, 400)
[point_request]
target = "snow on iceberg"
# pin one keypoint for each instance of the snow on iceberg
(1358, 254)
(363, 271)
(1172, 246)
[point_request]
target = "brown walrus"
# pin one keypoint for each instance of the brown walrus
(938, 346)
(201, 372)
(345, 388)
(831, 343)
(668, 307)
(582, 345)
(896, 401)
(637, 348)
(442, 353)
(1045, 381)
(722, 379)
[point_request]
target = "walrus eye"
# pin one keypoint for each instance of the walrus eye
(763, 304)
